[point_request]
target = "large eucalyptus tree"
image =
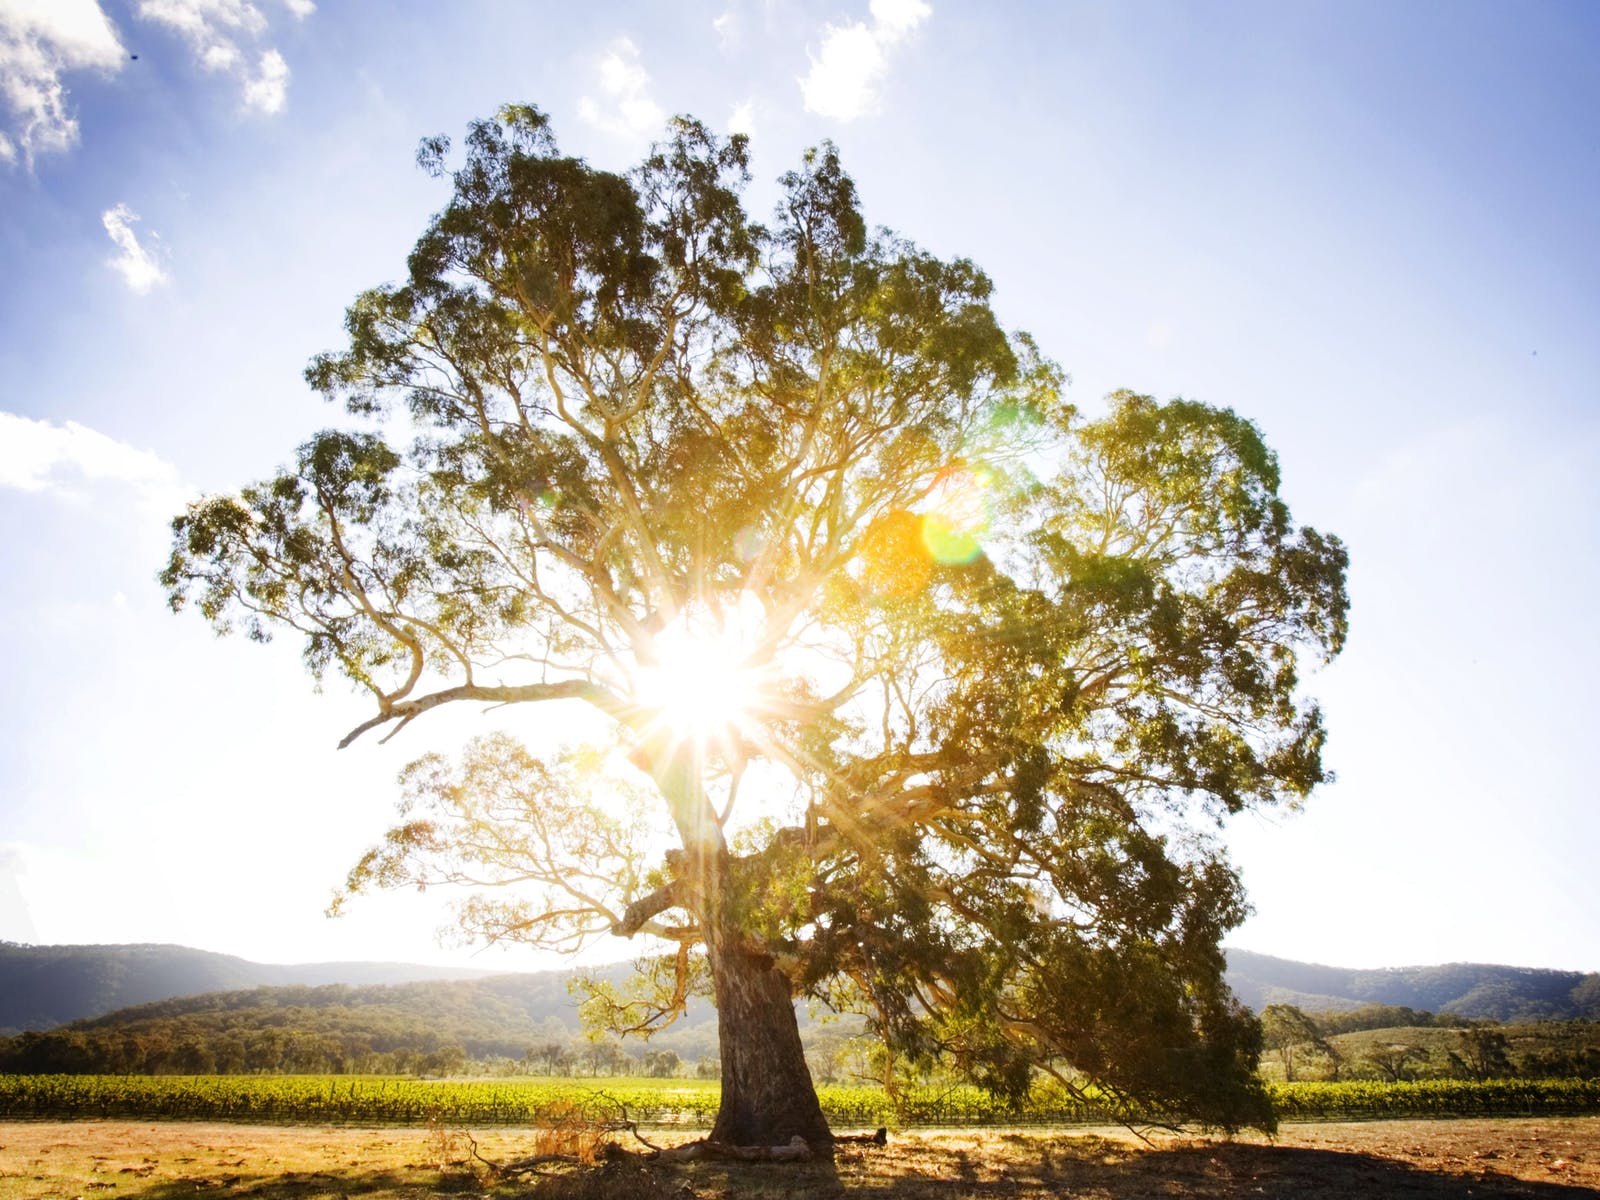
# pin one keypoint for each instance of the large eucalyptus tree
(935, 687)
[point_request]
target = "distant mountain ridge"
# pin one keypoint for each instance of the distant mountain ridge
(1477, 990)
(42, 987)
(45, 986)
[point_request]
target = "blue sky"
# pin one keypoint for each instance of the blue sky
(1370, 227)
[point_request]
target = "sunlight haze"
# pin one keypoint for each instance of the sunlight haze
(1369, 228)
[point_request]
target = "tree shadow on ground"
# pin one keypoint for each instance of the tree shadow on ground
(309, 1185)
(626, 1178)
(1084, 1168)
(1097, 1169)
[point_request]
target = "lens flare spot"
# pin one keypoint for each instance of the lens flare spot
(748, 544)
(958, 515)
(894, 558)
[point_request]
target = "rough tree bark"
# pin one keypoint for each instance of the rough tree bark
(767, 1093)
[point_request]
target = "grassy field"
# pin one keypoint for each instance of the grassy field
(1554, 1159)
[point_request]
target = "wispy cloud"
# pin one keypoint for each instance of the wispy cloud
(139, 265)
(40, 456)
(743, 118)
(627, 108)
(225, 36)
(847, 74)
(40, 40)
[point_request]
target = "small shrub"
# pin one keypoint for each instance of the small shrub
(571, 1128)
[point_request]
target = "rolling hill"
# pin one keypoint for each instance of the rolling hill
(372, 1028)
(46, 986)
(1475, 990)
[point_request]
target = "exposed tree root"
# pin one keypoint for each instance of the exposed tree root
(797, 1150)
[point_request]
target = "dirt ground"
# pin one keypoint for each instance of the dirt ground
(1433, 1160)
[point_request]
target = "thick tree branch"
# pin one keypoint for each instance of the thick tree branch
(642, 910)
(407, 711)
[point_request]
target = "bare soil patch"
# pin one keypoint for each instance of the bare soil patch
(1544, 1159)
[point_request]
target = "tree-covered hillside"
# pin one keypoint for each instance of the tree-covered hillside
(530, 1022)
(46, 986)
(414, 1027)
(1474, 990)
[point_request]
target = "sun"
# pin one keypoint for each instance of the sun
(705, 680)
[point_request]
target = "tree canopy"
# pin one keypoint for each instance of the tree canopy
(925, 690)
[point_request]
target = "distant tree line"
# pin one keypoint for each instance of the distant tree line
(1384, 1016)
(294, 1051)
(1396, 1043)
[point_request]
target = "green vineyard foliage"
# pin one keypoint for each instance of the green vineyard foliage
(345, 1100)
(332, 1099)
(1435, 1098)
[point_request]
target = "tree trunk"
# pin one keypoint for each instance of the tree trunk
(767, 1093)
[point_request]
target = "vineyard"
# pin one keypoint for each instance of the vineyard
(1435, 1098)
(335, 1100)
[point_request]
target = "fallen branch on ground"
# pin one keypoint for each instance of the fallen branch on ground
(796, 1151)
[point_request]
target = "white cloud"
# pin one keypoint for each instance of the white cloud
(138, 265)
(39, 456)
(843, 80)
(726, 28)
(896, 18)
(628, 109)
(268, 92)
(847, 74)
(219, 57)
(218, 31)
(203, 21)
(39, 41)
(743, 118)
